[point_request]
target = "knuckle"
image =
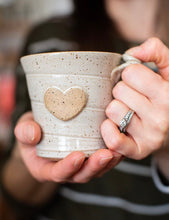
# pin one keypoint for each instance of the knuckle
(152, 44)
(127, 73)
(109, 110)
(155, 42)
(157, 142)
(141, 152)
(117, 88)
(104, 126)
(116, 142)
(160, 125)
(140, 157)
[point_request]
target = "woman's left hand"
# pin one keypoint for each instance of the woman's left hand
(147, 93)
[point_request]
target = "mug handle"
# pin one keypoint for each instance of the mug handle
(126, 61)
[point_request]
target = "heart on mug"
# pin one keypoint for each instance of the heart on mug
(65, 105)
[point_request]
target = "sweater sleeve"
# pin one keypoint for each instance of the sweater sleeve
(160, 181)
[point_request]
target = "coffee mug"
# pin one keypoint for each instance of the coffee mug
(69, 92)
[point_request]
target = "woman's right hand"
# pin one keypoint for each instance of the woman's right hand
(74, 168)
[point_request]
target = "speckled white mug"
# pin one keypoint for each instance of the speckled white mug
(91, 71)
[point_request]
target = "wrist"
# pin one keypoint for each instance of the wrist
(19, 183)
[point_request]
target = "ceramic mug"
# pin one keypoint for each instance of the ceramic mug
(69, 92)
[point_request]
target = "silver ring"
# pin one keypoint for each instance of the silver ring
(125, 121)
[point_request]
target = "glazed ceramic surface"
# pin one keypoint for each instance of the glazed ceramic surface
(89, 73)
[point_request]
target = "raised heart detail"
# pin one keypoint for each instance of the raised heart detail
(65, 105)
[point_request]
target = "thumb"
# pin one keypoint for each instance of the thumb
(153, 50)
(28, 132)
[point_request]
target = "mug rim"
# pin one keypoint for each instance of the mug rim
(68, 52)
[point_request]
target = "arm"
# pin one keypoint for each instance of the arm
(19, 183)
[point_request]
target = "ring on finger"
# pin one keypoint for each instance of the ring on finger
(125, 121)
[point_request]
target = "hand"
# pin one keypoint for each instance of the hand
(147, 93)
(74, 168)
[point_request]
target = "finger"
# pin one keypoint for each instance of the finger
(93, 165)
(63, 169)
(45, 170)
(121, 143)
(153, 50)
(130, 97)
(114, 162)
(116, 110)
(143, 80)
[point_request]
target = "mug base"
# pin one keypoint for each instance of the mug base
(58, 155)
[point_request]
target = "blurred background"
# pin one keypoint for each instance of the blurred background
(16, 19)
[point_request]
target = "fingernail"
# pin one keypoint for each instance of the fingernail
(29, 132)
(133, 51)
(105, 160)
(79, 161)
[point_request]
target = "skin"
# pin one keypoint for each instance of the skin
(148, 130)
(124, 14)
(147, 133)
(73, 168)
